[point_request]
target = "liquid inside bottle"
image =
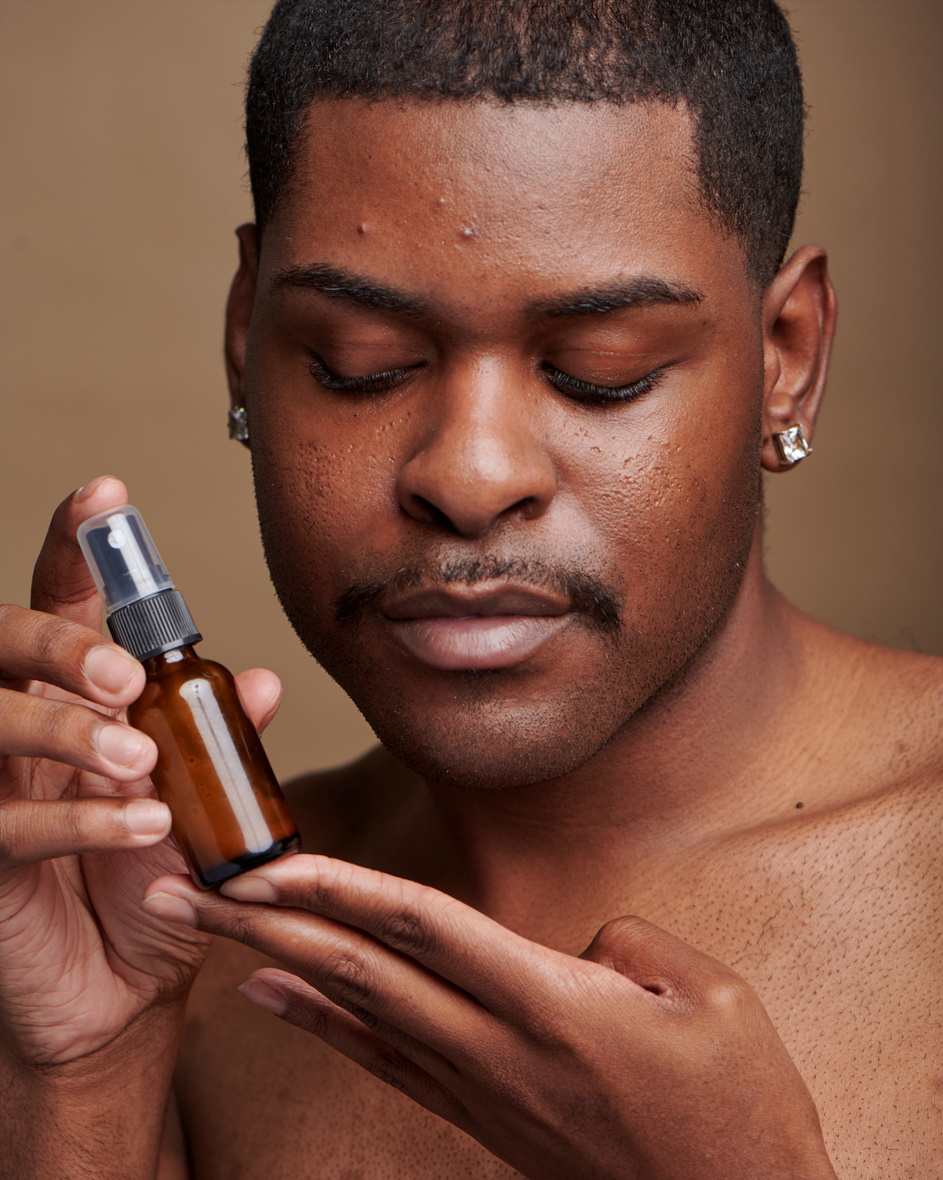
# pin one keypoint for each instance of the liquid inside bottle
(229, 814)
(228, 811)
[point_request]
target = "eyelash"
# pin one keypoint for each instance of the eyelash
(583, 391)
(374, 383)
(586, 391)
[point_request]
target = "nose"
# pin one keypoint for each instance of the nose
(479, 460)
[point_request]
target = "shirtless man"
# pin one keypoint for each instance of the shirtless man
(511, 371)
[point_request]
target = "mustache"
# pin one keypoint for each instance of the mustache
(599, 603)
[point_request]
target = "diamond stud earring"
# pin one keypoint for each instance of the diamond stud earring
(239, 424)
(791, 445)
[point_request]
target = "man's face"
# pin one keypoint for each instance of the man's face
(504, 378)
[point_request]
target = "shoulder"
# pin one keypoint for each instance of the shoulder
(878, 712)
(863, 844)
(373, 811)
(327, 803)
(860, 767)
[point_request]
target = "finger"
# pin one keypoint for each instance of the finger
(455, 941)
(62, 583)
(73, 734)
(659, 962)
(56, 651)
(260, 693)
(31, 831)
(296, 1003)
(422, 1015)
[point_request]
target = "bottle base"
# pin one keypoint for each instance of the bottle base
(214, 877)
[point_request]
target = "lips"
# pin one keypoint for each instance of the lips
(475, 628)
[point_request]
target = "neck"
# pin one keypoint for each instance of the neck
(698, 762)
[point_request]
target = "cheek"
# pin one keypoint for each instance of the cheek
(319, 469)
(325, 489)
(673, 497)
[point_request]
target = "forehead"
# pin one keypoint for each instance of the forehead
(435, 193)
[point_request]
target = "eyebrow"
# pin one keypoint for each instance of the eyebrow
(640, 291)
(351, 288)
(643, 291)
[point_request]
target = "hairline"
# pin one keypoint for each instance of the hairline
(292, 182)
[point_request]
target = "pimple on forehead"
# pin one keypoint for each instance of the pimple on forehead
(466, 230)
(409, 190)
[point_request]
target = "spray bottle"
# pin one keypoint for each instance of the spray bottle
(229, 814)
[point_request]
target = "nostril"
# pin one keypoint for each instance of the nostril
(424, 510)
(430, 514)
(525, 508)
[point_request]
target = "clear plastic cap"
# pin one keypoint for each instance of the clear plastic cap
(122, 557)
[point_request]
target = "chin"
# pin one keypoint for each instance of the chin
(503, 765)
(484, 741)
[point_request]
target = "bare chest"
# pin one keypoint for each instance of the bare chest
(840, 943)
(839, 934)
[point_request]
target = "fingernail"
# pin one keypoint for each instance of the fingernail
(88, 490)
(146, 817)
(121, 744)
(170, 907)
(264, 996)
(110, 668)
(249, 889)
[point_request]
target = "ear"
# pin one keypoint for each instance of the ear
(239, 313)
(799, 310)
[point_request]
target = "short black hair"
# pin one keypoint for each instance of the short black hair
(732, 62)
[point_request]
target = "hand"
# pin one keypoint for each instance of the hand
(641, 1058)
(81, 833)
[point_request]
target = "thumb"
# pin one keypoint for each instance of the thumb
(62, 582)
(260, 693)
(656, 960)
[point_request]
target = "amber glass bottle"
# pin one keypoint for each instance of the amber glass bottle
(228, 811)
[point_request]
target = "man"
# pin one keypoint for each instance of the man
(512, 342)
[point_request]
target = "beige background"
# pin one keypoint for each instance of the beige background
(122, 178)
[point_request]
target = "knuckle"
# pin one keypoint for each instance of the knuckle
(236, 926)
(367, 1018)
(314, 1018)
(347, 974)
(318, 898)
(39, 727)
(72, 816)
(51, 637)
(386, 1064)
(309, 882)
(406, 931)
(59, 726)
(548, 1023)
(8, 840)
(726, 996)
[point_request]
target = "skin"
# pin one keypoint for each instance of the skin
(470, 481)
(768, 1009)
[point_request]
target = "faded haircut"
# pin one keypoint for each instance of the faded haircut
(731, 62)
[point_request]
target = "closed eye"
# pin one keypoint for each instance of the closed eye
(370, 383)
(587, 391)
